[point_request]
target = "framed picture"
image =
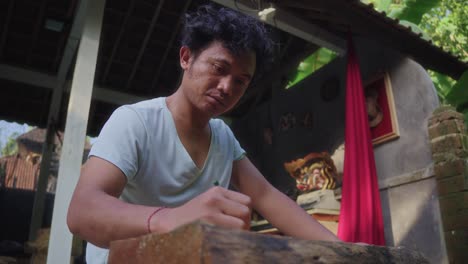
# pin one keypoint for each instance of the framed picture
(381, 109)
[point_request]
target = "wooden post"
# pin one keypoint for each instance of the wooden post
(75, 132)
(204, 243)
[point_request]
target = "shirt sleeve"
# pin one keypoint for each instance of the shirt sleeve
(121, 141)
(238, 152)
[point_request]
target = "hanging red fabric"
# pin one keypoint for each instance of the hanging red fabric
(361, 212)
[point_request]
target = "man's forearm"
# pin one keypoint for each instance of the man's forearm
(100, 218)
(291, 219)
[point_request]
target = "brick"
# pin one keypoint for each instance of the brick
(444, 113)
(446, 127)
(449, 143)
(457, 238)
(454, 210)
(457, 256)
(458, 220)
(450, 156)
(456, 242)
(452, 184)
(451, 168)
(450, 204)
(443, 108)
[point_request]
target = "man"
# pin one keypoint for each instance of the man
(155, 163)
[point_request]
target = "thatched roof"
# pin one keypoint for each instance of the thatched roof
(34, 139)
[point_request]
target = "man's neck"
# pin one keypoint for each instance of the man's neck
(185, 115)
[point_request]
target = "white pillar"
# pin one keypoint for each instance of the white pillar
(54, 111)
(75, 132)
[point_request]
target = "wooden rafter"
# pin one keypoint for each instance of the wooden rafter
(37, 28)
(11, 4)
(169, 47)
(117, 41)
(142, 49)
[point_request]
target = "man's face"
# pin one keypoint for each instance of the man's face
(215, 80)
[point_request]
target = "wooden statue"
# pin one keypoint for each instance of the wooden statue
(316, 171)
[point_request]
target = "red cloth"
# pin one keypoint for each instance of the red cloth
(361, 212)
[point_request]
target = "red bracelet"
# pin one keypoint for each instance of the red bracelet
(151, 216)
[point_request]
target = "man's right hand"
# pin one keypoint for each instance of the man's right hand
(218, 206)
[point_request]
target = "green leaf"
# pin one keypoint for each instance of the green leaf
(395, 11)
(312, 63)
(415, 28)
(384, 5)
(458, 95)
(381, 5)
(11, 147)
(442, 83)
(414, 10)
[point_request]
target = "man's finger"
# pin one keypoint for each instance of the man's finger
(236, 196)
(233, 208)
(225, 220)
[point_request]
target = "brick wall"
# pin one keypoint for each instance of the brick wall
(449, 144)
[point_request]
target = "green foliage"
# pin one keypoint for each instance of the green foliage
(311, 64)
(412, 10)
(442, 83)
(380, 5)
(458, 95)
(11, 147)
(447, 25)
(406, 10)
(415, 28)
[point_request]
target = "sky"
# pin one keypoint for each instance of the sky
(7, 129)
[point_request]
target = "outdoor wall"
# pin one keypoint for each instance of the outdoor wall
(404, 166)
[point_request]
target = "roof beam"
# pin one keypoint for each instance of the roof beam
(6, 26)
(47, 81)
(25, 76)
(37, 28)
(72, 42)
(290, 23)
(117, 41)
(145, 43)
(169, 47)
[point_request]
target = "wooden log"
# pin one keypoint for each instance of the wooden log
(204, 243)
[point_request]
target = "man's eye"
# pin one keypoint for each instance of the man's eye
(240, 82)
(217, 68)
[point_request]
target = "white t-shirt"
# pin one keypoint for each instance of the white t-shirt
(142, 141)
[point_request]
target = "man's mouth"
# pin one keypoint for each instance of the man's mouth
(218, 99)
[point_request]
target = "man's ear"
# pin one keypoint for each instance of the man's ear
(185, 55)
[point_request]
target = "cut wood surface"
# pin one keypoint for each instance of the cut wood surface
(204, 243)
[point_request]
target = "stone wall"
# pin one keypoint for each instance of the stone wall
(449, 144)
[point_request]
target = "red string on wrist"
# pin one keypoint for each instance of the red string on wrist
(148, 221)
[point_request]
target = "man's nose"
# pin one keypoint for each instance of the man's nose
(225, 85)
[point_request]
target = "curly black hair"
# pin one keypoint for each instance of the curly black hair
(238, 33)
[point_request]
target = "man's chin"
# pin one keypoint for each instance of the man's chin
(217, 110)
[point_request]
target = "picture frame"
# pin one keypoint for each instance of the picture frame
(381, 110)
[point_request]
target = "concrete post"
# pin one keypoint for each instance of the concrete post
(75, 132)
